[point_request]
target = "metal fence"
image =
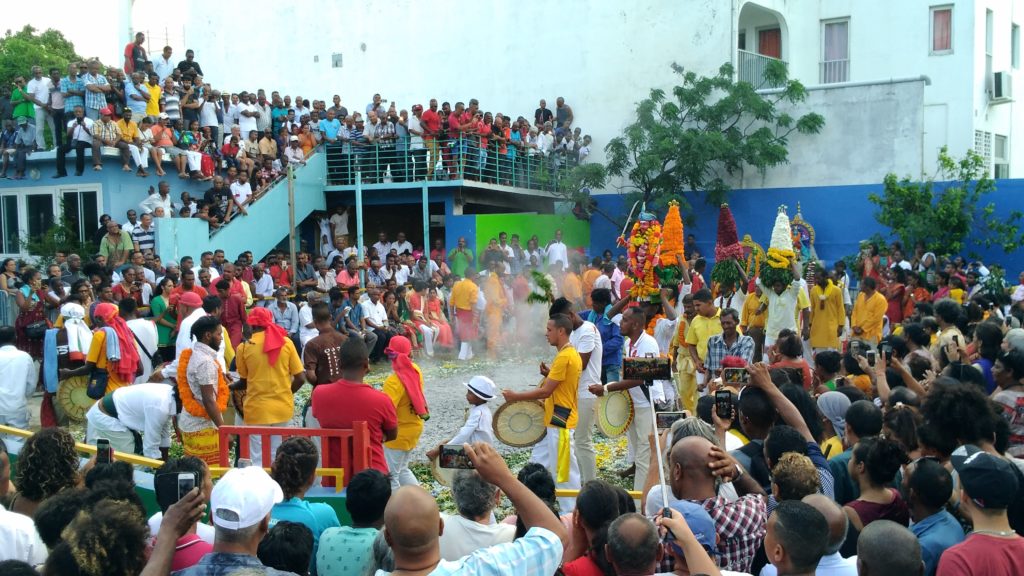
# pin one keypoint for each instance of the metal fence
(752, 68)
(835, 71)
(464, 158)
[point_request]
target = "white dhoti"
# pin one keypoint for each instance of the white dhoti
(546, 453)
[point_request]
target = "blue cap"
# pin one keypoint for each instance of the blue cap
(700, 523)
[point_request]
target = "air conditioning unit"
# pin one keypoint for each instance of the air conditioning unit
(1002, 86)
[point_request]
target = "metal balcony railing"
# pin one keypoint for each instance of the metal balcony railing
(835, 71)
(752, 67)
(521, 166)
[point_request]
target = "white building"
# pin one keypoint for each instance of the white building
(604, 56)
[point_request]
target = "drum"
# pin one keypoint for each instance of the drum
(72, 399)
(520, 424)
(444, 476)
(614, 413)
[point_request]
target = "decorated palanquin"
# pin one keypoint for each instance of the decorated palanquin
(803, 237)
(753, 256)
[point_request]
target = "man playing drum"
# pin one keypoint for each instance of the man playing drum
(559, 393)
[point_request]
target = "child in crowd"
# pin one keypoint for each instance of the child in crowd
(479, 391)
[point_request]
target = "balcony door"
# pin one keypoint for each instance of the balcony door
(769, 42)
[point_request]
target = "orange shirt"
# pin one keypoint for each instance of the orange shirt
(589, 277)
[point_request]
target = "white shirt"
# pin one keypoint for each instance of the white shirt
(340, 223)
(402, 247)
(145, 330)
(781, 308)
(82, 132)
(645, 344)
(585, 339)
(241, 192)
(247, 123)
(185, 342)
(478, 427)
(40, 89)
(294, 154)
(462, 537)
(19, 539)
(18, 377)
(831, 565)
(163, 69)
(208, 113)
(204, 531)
(154, 201)
(401, 275)
(415, 142)
(382, 248)
(557, 252)
(145, 408)
(375, 313)
(306, 317)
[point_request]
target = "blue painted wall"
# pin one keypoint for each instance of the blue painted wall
(842, 216)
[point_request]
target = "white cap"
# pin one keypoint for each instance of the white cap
(243, 498)
(482, 387)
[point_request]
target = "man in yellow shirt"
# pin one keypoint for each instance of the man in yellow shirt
(464, 298)
(828, 316)
(494, 311)
(559, 393)
(572, 288)
(155, 91)
(752, 319)
(705, 324)
(271, 372)
(868, 313)
(404, 386)
(132, 137)
(589, 277)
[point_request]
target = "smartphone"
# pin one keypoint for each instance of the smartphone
(104, 453)
(871, 357)
(723, 404)
(454, 457)
(735, 376)
(886, 351)
(186, 482)
(855, 349)
(243, 463)
(666, 419)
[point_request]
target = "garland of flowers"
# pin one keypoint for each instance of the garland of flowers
(672, 246)
(728, 253)
(643, 251)
(780, 253)
(188, 400)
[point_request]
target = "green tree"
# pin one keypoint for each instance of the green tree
(701, 132)
(20, 51)
(947, 208)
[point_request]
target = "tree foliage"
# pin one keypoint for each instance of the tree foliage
(947, 208)
(708, 128)
(20, 51)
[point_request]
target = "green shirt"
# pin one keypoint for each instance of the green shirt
(117, 251)
(22, 106)
(459, 261)
(345, 550)
(157, 305)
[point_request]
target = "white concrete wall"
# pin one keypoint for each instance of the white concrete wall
(849, 150)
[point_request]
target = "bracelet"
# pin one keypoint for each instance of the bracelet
(739, 473)
(604, 389)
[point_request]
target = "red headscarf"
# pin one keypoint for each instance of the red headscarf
(399, 348)
(125, 366)
(274, 335)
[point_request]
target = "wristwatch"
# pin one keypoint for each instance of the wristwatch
(739, 473)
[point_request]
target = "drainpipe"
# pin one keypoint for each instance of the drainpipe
(426, 218)
(359, 225)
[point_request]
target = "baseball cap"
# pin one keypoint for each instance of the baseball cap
(164, 116)
(482, 387)
(106, 111)
(243, 498)
(700, 522)
(293, 138)
(416, 107)
(988, 480)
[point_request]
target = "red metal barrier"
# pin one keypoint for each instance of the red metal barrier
(340, 447)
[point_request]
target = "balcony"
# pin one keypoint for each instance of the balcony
(752, 68)
(451, 161)
(835, 71)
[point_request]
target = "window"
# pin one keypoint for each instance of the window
(1001, 158)
(988, 51)
(1015, 45)
(39, 214)
(983, 145)
(32, 212)
(9, 224)
(741, 40)
(835, 51)
(80, 211)
(942, 30)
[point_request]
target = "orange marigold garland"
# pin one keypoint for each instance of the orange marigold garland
(188, 401)
(672, 245)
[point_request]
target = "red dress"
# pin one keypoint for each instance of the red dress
(445, 337)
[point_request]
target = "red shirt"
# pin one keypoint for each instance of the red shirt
(121, 292)
(432, 122)
(453, 125)
(582, 566)
(199, 290)
(232, 316)
(188, 550)
(339, 404)
(484, 130)
(281, 276)
(983, 554)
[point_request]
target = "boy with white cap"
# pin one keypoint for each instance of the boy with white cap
(479, 391)
(240, 508)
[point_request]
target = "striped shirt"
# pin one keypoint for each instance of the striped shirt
(95, 100)
(71, 101)
(106, 131)
(172, 105)
(144, 237)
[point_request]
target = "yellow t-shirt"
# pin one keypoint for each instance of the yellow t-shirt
(98, 356)
(566, 370)
(464, 294)
(832, 447)
(410, 425)
(827, 315)
(571, 287)
(268, 398)
(701, 330)
(957, 295)
(749, 317)
(868, 314)
(153, 105)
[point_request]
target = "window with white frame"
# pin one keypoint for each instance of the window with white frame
(835, 51)
(983, 145)
(1001, 157)
(32, 212)
(941, 24)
